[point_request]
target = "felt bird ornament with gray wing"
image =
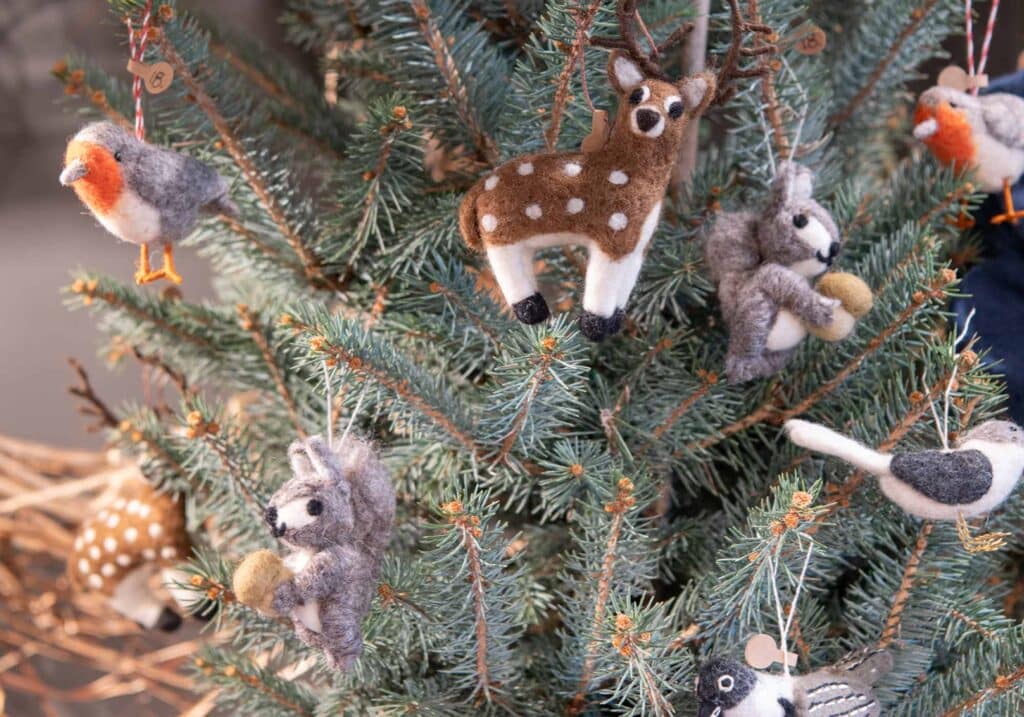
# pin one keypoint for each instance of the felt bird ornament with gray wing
(985, 134)
(142, 193)
(728, 688)
(973, 478)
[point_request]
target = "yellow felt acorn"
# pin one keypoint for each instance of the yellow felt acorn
(257, 577)
(855, 299)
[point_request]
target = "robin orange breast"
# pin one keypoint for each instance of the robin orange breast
(984, 134)
(142, 193)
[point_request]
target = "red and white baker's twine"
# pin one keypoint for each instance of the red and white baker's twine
(985, 43)
(136, 51)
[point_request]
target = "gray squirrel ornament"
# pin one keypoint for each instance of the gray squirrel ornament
(336, 515)
(142, 193)
(728, 688)
(972, 478)
(763, 262)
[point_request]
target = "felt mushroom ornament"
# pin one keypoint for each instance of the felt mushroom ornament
(119, 551)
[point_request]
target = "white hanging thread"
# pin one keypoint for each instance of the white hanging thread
(329, 407)
(806, 104)
(355, 413)
(785, 624)
(942, 426)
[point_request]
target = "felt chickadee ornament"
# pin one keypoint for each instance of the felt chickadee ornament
(142, 193)
(973, 478)
(985, 134)
(119, 551)
(336, 515)
(607, 200)
(728, 688)
(763, 262)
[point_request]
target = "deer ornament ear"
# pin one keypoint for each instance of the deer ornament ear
(623, 73)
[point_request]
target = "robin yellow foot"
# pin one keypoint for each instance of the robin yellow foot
(1011, 214)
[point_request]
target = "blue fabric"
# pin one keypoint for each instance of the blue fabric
(996, 285)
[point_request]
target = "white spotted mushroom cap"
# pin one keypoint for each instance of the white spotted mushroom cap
(140, 526)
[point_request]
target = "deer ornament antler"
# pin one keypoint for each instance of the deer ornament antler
(607, 200)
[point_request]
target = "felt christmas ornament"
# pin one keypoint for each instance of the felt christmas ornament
(119, 551)
(855, 300)
(607, 199)
(762, 263)
(142, 193)
(257, 577)
(336, 515)
(973, 478)
(728, 688)
(984, 134)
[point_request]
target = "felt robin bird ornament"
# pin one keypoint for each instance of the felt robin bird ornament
(142, 193)
(728, 688)
(972, 478)
(985, 134)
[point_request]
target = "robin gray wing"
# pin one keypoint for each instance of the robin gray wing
(828, 693)
(953, 478)
(1004, 118)
(177, 185)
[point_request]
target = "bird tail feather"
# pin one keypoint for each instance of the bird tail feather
(867, 665)
(824, 440)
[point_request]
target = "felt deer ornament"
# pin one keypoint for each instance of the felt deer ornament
(608, 200)
(118, 551)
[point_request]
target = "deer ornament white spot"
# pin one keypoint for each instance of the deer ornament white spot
(608, 201)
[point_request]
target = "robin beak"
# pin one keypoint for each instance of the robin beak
(707, 709)
(73, 172)
(926, 129)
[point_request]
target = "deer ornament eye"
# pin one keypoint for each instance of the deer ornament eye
(640, 94)
(674, 107)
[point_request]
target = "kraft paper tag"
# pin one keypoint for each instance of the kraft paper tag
(762, 652)
(957, 78)
(156, 77)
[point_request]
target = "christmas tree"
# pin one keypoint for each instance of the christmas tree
(579, 525)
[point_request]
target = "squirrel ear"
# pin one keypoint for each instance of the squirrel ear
(792, 181)
(312, 456)
(623, 73)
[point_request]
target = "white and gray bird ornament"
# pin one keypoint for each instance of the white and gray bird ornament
(728, 688)
(970, 479)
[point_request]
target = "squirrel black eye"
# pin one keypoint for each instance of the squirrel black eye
(314, 507)
(799, 220)
(636, 96)
(675, 110)
(117, 156)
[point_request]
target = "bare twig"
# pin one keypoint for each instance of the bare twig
(95, 406)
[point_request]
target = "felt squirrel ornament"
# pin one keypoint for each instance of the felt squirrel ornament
(763, 263)
(121, 550)
(336, 515)
(142, 193)
(607, 200)
(973, 478)
(728, 688)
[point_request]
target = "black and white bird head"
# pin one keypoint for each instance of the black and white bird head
(997, 432)
(722, 685)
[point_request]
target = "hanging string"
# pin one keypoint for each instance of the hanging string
(986, 43)
(787, 623)
(330, 405)
(136, 48)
